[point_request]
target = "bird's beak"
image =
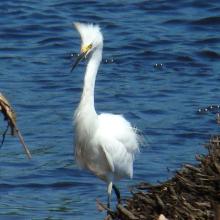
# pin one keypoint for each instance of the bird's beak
(79, 58)
(84, 51)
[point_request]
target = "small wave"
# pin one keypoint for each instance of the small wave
(45, 17)
(215, 20)
(212, 40)
(41, 185)
(153, 7)
(184, 58)
(153, 112)
(176, 21)
(202, 4)
(209, 54)
(51, 40)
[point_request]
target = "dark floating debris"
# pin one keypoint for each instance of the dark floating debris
(193, 193)
(104, 61)
(158, 66)
(108, 61)
(10, 117)
(209, 109)
(214, 109)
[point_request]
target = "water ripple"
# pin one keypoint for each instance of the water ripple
(160, 65)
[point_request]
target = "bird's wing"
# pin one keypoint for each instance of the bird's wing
(119, 143)
(118, 128)
(108, 157)
(101, 166)
(119, 159)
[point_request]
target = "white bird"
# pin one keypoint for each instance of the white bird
(105, 144)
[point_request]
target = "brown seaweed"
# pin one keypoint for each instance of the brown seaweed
(192, 193)
(10, 117)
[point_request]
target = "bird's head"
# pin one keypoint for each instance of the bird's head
(91, 37)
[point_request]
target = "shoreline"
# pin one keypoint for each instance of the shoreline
(192, 193)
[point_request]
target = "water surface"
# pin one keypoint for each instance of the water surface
(160, 65)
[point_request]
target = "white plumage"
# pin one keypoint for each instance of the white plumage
(105, 144)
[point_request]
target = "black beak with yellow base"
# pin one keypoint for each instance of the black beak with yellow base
(84, 52)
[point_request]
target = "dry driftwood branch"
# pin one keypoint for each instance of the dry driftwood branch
(10, 117)
(193, 193)
(126, 213)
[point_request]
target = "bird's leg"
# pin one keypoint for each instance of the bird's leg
(117, 193)
(109, 194)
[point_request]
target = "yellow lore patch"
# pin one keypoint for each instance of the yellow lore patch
(86, 48)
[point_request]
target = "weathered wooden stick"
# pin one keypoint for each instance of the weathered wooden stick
(103, 207)
(127, 213)
(217, 212)
(21, 139)
(10, 116)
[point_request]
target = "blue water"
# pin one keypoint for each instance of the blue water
(160, 65)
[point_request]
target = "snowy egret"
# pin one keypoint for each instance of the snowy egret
(105, 144)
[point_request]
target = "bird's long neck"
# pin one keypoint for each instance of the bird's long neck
(85, 117)
(87, 99)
